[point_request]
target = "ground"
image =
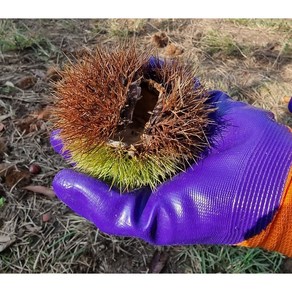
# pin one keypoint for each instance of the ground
(251, 59)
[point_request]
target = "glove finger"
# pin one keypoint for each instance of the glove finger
(58, 145)
(290, 105)
(110, 211)
(219, 96)
(225, 103)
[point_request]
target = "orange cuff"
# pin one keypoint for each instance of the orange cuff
(278, 234)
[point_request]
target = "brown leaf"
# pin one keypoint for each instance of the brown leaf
(45, 113)
(26, 82)
(2, 126)
(173, 51)
(17, 178)
(4, 167)
(6, 241)
(13, 175)
(35, 120)
(160, 39)
(41, 190)
(29, 124)
(286, 99)
(3, 148)
(53, 74)
(158, 262)
(24, 124)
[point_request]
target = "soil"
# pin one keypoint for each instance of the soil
(38, 233)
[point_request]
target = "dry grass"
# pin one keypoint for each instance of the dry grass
(251, 61)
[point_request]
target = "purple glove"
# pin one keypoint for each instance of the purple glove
(290, 105)
(228, 196)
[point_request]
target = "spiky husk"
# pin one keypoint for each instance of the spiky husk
(129, 121)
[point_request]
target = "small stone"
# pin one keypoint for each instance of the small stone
(34, 168)
(46, 217)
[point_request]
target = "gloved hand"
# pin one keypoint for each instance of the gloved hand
(240, 192)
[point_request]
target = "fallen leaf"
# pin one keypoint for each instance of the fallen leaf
(173, 51)
(14, 176)
(53, 74)
(39, 73)
(45, 113)
(32, 228)
(6, 241)
(9, 84)
(17, 178)
(5, 167)
(41, 190)
(286, 99)
(29, 124)
(35, 120)
(4, 238)
(4, 117)
(2, 126)
(160, 39)
(24, 123)
(3, 148)
(158, 262)
(26, 82)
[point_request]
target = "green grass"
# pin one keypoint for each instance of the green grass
(214, 42)
(6, 89)
(120, 28)
(228, 259)
(16, 36)
(2, 202)
(284, 25)
(287, 48)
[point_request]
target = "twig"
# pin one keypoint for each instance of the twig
(23, 99)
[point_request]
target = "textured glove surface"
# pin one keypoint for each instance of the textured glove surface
(228, 196)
